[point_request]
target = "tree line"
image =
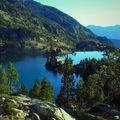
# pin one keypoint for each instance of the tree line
(9, 84)
(100, 83)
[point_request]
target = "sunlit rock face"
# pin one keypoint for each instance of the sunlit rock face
(23, 107)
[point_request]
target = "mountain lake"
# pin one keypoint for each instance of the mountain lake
(33, 68)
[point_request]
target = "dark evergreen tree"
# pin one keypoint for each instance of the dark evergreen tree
(67, 92)
(19, 88)
(24, 89)
(12, 77)
(35, 91)
(47, 93)
(4, 86)
(104, 84)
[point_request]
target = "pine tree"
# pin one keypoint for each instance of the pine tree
(47, 93)
(24, 89)
(35, 91)
(12, 76)
(4, 86)
(68, 88)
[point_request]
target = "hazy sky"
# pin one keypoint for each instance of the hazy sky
(87, 12)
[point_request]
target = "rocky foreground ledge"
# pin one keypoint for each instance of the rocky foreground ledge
(24, 108)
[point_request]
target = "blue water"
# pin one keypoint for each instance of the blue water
(32, 68)
(78, 56)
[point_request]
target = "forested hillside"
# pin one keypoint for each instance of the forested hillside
(27, 26)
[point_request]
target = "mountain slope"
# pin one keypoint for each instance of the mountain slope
(62, 19)
(116, 42)
(112, 32)
(27, 27)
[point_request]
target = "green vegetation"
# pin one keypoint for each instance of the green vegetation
(42, 91)
(4, 82)
(30, 27)
(67, 91)
(89, 98)
(46, 91)
(100, 80)
(12, 76)
(8, 106)
(35, 91)
(9, 84)
(102, 84)
(23, 30)
(24, 90)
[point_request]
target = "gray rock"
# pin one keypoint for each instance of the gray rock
(36, 109)
(2, 100)
(117, 117)
(52, 111)
(23, 98)
(34, 116)
(53, 119)
(104, 108)
(19, 113)
(114, 112)
(11, 100)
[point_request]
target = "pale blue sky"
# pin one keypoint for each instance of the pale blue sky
(87, 12)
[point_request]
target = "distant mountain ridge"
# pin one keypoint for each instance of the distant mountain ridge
(116, 42)
(28, 26)
(112, 32)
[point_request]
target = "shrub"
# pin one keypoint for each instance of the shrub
(7, 107)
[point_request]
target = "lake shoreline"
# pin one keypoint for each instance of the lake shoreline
(32, 68)
(5, 56)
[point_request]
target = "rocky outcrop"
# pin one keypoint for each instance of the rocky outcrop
(20, 107)
(48, 110)
(105, 109)
(23, 108)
